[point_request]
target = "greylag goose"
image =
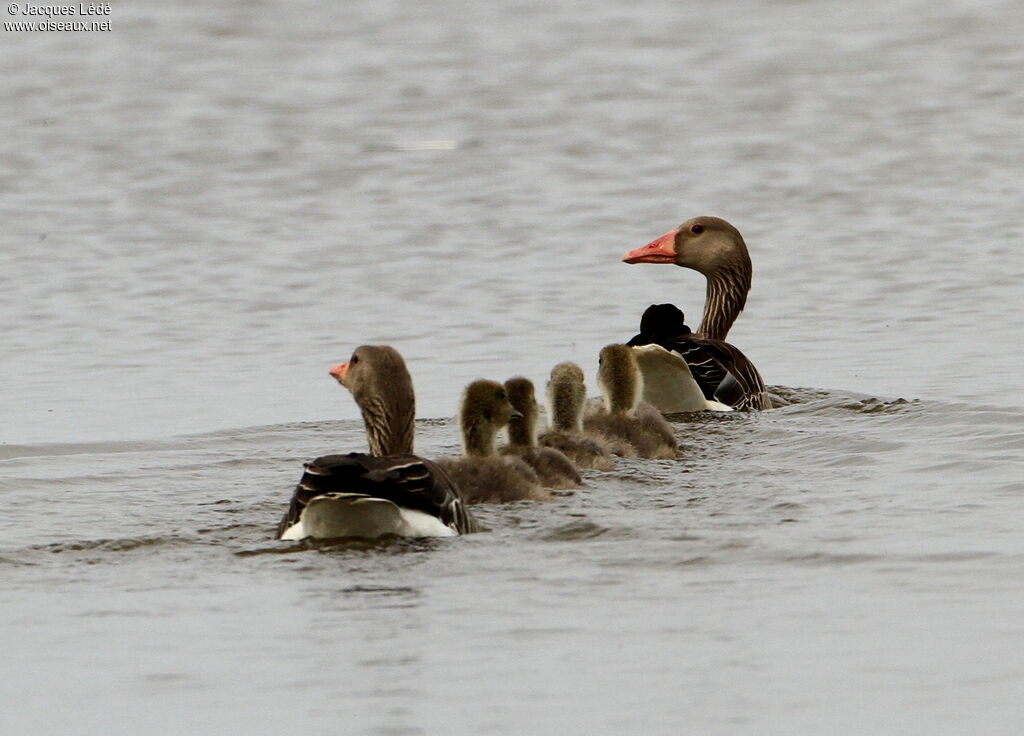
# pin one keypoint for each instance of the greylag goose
(623, 416)
(566, 396)
(713, 247)
(482, 475)
(388, 491)
(553, 468)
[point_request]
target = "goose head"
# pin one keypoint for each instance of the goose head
(619, 377)
(522, 430)
(566, 395)
(716, 249)
(705, 244)
(485, 410)
(382, 388)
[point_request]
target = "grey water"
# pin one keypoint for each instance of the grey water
(207, 206)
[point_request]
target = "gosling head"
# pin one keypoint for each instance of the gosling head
(619, 377)
(485, 410)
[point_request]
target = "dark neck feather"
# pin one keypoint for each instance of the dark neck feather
(725, 299)
(389, 428)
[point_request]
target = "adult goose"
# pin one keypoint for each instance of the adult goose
(713, 247)
(554, 469)
(482, 475)
(566, 396)
(388, 491)
(623, 416)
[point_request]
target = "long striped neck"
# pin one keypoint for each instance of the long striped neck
(725, 299)
(389, 428)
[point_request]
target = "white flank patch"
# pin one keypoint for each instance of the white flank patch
(295, 532)
(354, 515)
(420, 524)
(668, 385)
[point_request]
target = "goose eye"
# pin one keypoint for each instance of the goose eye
(697, 229)
(353, 360)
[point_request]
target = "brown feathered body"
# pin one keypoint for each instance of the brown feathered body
(482, 475)
(554, 469)
(623, 417)
(566, 395)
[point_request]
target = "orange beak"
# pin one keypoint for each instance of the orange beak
(662, 250)
(340, 372)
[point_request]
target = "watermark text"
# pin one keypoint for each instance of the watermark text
(59, 17)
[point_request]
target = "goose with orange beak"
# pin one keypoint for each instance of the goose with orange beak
(388, 491)
(687, 371)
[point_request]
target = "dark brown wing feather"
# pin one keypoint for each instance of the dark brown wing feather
(700, 352)
(711, 362)
(705, 370)
(406, 480)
